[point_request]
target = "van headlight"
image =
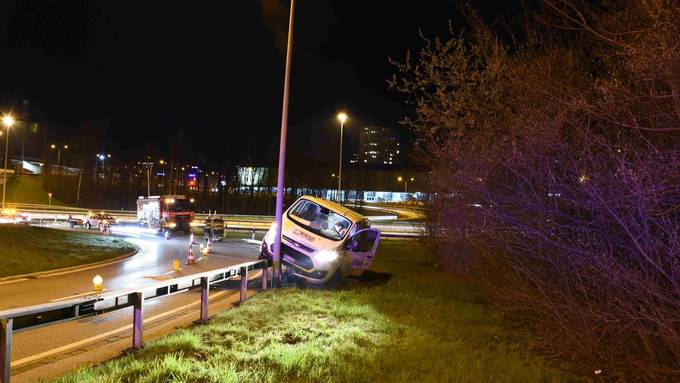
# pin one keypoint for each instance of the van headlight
(172, 225)
(326, 256)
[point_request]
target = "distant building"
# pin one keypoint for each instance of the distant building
(378, 146)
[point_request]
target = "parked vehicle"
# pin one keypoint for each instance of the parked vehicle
(323, 241)
(73, 222)
(99, 221)
(166, 213)
(12, 216)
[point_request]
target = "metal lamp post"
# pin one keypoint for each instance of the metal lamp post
(276, 258)
(8, 121)
(148, 166)
(342, 117)
(53, 146)
(400, 178)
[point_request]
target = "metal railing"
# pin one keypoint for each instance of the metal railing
(232, 221)
(26, 318)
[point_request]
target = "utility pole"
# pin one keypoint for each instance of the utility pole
(280, 190)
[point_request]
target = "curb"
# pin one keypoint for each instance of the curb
(70, 269)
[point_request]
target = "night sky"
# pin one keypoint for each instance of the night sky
(147, 69)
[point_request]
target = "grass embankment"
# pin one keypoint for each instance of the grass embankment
(29, 189)
(405, 322)
(27, 249)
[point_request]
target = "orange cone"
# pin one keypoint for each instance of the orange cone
(191, 259)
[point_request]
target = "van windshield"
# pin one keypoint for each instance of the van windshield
(319, 220)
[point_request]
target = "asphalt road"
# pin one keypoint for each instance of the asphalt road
(37, 347)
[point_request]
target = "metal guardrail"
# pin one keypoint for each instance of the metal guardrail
(26, 318)
(233, 221)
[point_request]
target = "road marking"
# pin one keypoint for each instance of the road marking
(78, 295)
(13, 281)
(95, 338)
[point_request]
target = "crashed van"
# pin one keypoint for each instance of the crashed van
(323, 241)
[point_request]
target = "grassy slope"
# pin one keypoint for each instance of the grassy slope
(29, 189)
(407, 322)
(26, 249)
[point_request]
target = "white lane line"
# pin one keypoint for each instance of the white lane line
(13, 281)
(92, 293)
(104, 335)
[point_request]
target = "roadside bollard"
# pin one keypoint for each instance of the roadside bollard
(191, 239)
(176, 265)
(252, 234)
(97, 283)
(167, 235)
(209, 246)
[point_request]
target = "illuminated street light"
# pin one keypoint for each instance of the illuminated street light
(54, 146)
(8, 121)
(400, 178)
(342, 117)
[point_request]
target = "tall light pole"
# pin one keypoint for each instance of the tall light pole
(8, 121)
(276, 258)
(53, 146)
(400, 178)
(342, 117)
(162, 163)
(148, 165)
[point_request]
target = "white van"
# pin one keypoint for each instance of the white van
(323, 241)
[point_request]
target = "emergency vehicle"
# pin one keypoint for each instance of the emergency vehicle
(170, 213)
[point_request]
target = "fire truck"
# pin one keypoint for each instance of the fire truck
(166, 213)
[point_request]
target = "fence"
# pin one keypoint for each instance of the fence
(26, 318)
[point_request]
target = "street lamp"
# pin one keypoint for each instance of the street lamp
(400, 178)
(162, 163)
(148, 165)
(53, 146)
(8, 121)
(342, 117)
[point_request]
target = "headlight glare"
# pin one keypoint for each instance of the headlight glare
(326, 256)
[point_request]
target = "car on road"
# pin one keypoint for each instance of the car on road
(99, 221)
(12, 216)
(73, 222)
(323, 242)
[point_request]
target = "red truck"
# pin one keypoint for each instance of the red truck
(166, 213)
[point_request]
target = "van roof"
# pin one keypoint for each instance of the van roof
(336, 207)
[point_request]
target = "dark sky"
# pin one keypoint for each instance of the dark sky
(212, 69)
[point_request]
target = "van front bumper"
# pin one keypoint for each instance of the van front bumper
(312, 275)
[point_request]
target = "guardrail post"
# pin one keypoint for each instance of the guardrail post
(265, 277)
(137, 320)
(244, 283)
(205, 289)
(5, 349)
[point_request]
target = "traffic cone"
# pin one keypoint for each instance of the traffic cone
(191, 259)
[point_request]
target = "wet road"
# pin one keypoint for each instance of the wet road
(152, 263)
